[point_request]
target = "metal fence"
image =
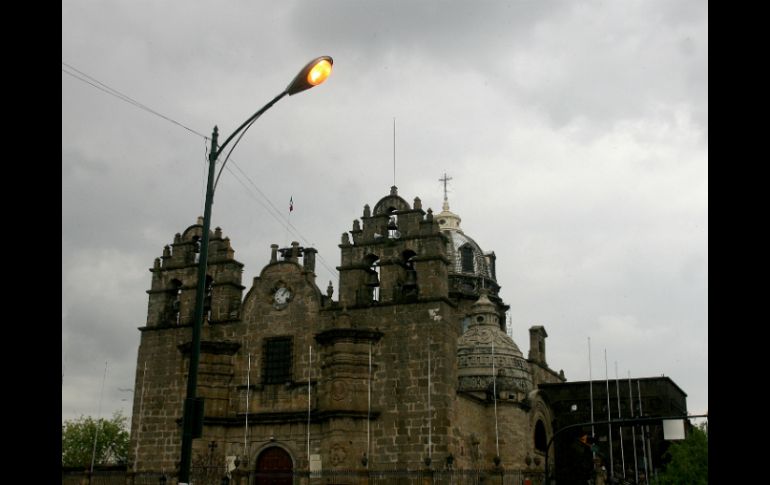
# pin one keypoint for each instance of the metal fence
(216, 476)
(99, 477)
(420, 477)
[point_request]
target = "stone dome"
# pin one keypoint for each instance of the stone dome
(476, 347)
(390, 203)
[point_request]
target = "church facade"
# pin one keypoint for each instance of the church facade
(409, 367)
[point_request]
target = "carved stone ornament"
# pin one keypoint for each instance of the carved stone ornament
(337, 454)
(339, 390)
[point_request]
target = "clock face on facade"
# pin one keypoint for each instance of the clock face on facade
(281, 298)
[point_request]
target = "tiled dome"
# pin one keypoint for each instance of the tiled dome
(475, 349)
(449, 223)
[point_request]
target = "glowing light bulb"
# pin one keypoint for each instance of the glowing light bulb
(319, 72)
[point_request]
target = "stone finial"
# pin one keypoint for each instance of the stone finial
(200, 220)
(367, 211)
(356, 225)
(417, 203)
(429, 216)
(308, 259)
(345, 238)
(294, 251)
(330, 288)
(156, 264)
(394, 190)
(177, 238)
(273, 253)
(218, 232)
(166, 251)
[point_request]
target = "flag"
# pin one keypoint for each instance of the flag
(291, 203)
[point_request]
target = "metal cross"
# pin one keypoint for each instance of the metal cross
(445, 179)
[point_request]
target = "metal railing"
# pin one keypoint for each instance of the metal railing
(216, 475)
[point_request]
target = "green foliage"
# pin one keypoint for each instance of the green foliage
(688, 460)
(77, 441)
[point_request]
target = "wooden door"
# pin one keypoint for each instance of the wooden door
(274, 467)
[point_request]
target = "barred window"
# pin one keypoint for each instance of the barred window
(277, 359)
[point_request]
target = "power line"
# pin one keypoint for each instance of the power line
(114, 92)
(276, 213)
(272, 210)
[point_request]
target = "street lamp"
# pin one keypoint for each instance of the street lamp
(314, 73)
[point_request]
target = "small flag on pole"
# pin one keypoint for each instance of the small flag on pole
(291, 203)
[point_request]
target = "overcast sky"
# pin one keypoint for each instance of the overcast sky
(576, 134)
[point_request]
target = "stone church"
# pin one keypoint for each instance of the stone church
(408, 366)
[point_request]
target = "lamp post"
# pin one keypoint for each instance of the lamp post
(314, 73)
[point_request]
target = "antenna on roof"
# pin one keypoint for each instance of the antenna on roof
(394, 151)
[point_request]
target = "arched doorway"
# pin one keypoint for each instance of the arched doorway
(274, 467)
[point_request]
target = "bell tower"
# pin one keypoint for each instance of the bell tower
(174, 278)
(165, 342)
(394, 280)
(394, 254)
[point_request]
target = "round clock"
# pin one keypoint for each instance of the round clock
(281, 297)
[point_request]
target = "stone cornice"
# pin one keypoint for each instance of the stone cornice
(385, 241)
(356, 335)
(170, 265)
(189, 287)
(224, 321)
(439, 299)
(212, 347)
(289, 417)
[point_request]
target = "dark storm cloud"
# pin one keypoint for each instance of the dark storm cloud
(576, 133)
(447, 33)
(572, 59)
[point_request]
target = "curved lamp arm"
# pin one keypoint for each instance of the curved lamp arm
(314, 73)
(215, 152)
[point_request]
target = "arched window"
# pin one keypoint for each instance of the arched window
(393, 232)
(196, 248)
(466, 258)
(407, 259)
(372, 282)
(207, 298)
(409, 285)
(541, 440)
(176, 302)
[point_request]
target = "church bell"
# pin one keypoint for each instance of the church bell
(372, 279)
(411, 278)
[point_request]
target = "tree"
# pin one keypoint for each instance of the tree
(688, 460)
(77, 441)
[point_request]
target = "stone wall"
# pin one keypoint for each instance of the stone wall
(411, 331)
